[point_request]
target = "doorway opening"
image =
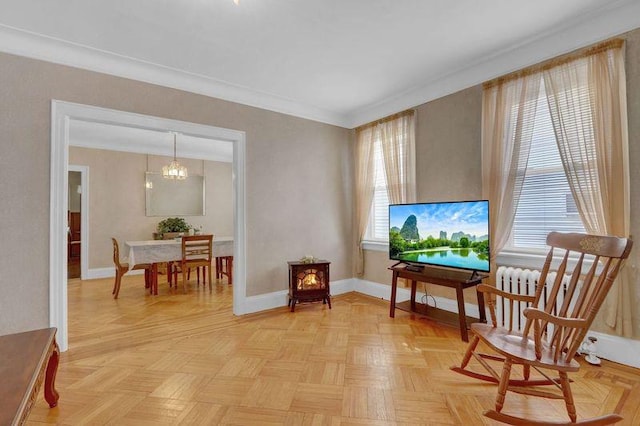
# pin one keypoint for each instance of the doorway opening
(65, 113)
(74, 225)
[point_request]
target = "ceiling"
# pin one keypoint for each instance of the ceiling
(117, 137)
(343, 62)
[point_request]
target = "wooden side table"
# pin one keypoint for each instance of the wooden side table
(457, 280)
(28, 359)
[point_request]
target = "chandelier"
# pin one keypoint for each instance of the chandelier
(174, 170)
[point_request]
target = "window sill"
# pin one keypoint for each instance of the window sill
(531, 259)
(375, 245)
(534, 259)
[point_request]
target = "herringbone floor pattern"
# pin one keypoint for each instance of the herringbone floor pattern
(185, 359)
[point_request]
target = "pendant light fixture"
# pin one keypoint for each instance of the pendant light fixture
(174, 170)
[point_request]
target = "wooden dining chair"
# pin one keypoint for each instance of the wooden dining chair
(123, 267)
(197, 251)
(558, 315)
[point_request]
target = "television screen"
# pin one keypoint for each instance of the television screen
(450, 234)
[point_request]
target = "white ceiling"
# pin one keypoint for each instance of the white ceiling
(97, 135)
(344, 62)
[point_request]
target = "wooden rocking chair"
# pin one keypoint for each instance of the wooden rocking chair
(558, 317)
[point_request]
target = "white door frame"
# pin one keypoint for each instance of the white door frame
(61, 115)
(84, 219)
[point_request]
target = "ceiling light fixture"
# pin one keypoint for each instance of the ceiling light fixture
(237, 2)
(174, 170)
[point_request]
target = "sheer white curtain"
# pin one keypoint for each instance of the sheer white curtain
(587, 102)
(508, 113)
(364, 186)
(397, 138)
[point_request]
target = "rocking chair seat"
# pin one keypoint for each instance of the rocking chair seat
(511, 344)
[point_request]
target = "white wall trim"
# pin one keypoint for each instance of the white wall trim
(383, 291)
(62, 113)
(617, 349)
(614, 19)
(611, 20)
(108, 272)
(32, 45)
(375, 245)
(279, 299)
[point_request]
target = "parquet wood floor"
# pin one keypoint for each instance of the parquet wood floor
(185, 359)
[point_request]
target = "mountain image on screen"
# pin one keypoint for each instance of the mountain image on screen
(451, 234)
(409, 230)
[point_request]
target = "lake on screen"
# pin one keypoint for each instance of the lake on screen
(459, 258)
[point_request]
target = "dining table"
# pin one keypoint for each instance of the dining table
(154, 252)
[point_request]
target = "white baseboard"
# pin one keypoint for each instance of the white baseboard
(109, 272)
(279, 299)
(617, 349)
(383, 291)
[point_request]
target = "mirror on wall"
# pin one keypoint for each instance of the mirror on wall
(169, 197)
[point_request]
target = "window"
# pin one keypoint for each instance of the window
(385, 173)
(546, 202)
(379, 216)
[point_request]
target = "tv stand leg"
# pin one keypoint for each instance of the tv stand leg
(414, 285)
(392, 301)
(462, 314)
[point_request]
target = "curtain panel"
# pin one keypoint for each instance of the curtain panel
(587, 102)
(508, 112)
(395, 137)
(364, 180)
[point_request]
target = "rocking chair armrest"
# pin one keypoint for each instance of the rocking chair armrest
(484, 288)
(540, 321)
(537, 314)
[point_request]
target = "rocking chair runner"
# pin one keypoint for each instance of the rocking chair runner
(555, 327)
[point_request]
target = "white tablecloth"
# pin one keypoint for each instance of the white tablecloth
(156, 251)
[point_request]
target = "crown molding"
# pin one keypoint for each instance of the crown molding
(613, 20)
(37, 46)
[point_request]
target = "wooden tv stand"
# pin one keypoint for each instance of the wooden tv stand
(458, 280)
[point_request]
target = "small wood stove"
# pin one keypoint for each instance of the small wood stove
(309, 282)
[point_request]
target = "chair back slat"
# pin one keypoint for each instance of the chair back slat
(571, 289)
(116, 253)
(541, 289)
(574, 295)
(552, 296)
(197, 248)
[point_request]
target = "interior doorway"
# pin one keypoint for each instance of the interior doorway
(62, 115)
(74, 225)
(77, 222)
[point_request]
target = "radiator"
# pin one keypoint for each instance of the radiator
(523, 281)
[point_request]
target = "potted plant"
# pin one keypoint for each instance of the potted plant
(172, 227)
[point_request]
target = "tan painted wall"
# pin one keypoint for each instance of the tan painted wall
(117, 198)
(292, 208)
(448, 138)
(448, 165)
(298, 178)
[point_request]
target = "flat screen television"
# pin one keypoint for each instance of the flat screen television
(447, 234)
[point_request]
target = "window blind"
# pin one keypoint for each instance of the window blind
(546, 203)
